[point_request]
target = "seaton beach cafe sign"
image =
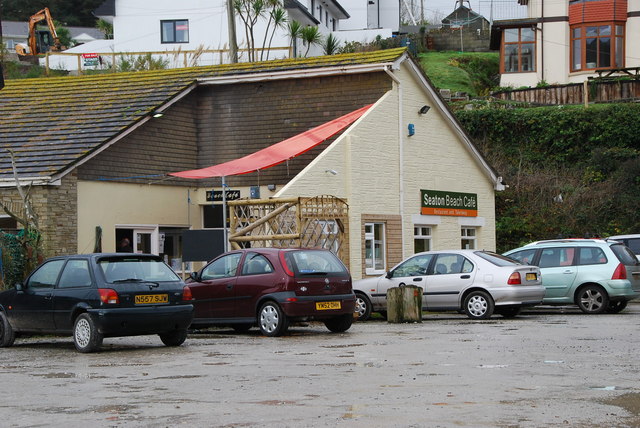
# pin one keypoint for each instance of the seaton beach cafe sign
(435, 202)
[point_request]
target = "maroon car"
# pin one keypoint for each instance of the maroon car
(270, 287)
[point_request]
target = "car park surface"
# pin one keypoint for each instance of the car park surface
(476, 282)
(93, 296)
(595, 274)
(272, 287)
(546, 368)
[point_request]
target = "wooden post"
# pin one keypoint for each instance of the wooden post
(404, 304)
(585, 93)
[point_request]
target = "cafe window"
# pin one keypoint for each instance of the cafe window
(375, 253)
(421, 239)
(468, 238)
(518, 50)
(175, 31)
(597, 46)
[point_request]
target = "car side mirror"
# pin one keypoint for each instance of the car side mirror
(389, 275)
(19, 286)
(194, 276)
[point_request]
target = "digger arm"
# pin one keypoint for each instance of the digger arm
(43, 15)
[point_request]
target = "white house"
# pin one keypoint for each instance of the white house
(567, 41)
(190, 25)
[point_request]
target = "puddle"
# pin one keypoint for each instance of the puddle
(554, 362)
(492, 366)
(604, 388)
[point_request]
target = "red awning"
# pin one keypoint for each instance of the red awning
(277, 153)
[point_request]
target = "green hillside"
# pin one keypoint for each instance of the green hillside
(471, 72)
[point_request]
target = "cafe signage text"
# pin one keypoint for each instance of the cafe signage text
(216, 195)
(435, 202)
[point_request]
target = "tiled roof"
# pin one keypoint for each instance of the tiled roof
(51, 123)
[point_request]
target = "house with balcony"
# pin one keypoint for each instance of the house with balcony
(567, 41)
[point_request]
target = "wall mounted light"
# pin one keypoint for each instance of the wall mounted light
(332, 171)
(157, 115)
(424, 110)
(271, 187)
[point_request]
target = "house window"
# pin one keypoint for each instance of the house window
(421, 239)
(468, 238)
(597, 46)
(375, 257)
(519, 50)
(175, 31)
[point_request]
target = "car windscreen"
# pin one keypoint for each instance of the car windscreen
(120, 269)
(315, 262)
(496, 259)
(624, 254)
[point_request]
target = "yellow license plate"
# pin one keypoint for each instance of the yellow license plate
(150, 299)
(323, 306)
(532, 277)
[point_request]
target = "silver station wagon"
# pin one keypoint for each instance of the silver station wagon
(479, 283)
(595, 274)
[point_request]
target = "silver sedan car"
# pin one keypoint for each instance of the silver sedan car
(479, 283)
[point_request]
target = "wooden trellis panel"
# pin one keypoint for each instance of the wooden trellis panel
(317, 222)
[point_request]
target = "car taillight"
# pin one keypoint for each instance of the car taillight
(186, 293)
(620, 272)
(514, 279)
(108, 296)
(283, 261)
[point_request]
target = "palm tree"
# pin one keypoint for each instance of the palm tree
(250, 11)
(331, 45)
(294, 30)
(106, 27)
(279, 16)
(310, 36)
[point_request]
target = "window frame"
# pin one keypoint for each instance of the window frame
(519, 43)
(174, 23)
(370, 237)
(418, 235)
(615, 40)
(464, 236)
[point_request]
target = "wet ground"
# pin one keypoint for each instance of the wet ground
(547, 368)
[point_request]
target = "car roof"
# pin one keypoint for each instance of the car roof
(572, 241)
(636, 235)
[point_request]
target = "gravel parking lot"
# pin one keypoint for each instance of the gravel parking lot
(549, 367)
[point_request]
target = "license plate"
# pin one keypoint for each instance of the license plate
(323, 306)
(150, 299)
(532, 277)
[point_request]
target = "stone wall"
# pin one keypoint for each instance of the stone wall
(450, 40)
(56, 207)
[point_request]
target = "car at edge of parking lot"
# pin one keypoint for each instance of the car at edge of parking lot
(632, 241)
(271, 287)
(597, 275)
(93, 296)
(476, 282)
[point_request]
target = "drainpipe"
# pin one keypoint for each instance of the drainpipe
(542, 41)
(400, 154)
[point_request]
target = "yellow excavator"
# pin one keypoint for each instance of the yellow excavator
(40, 41)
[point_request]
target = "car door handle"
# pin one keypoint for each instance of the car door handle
(417, 279)
(465, 276)
(568, 271)
(229, 286)
(48, 296)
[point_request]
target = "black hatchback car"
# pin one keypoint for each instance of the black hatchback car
(92, 296)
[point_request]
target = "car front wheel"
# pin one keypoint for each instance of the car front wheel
(7, 335)
(339, 324)
(272, 321)
(478, 305)
(86, 336)
(592, 299)
(174, 338)
(363, 307)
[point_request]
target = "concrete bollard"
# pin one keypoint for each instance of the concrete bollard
(404, 304)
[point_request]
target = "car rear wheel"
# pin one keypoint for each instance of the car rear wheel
(478, 305)
(273, 322)
(592, 299)
(509, 311)
(363, 307)
(174, 338)
(339, 324)
(615, 307)
(7, 335)
(86, 336)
